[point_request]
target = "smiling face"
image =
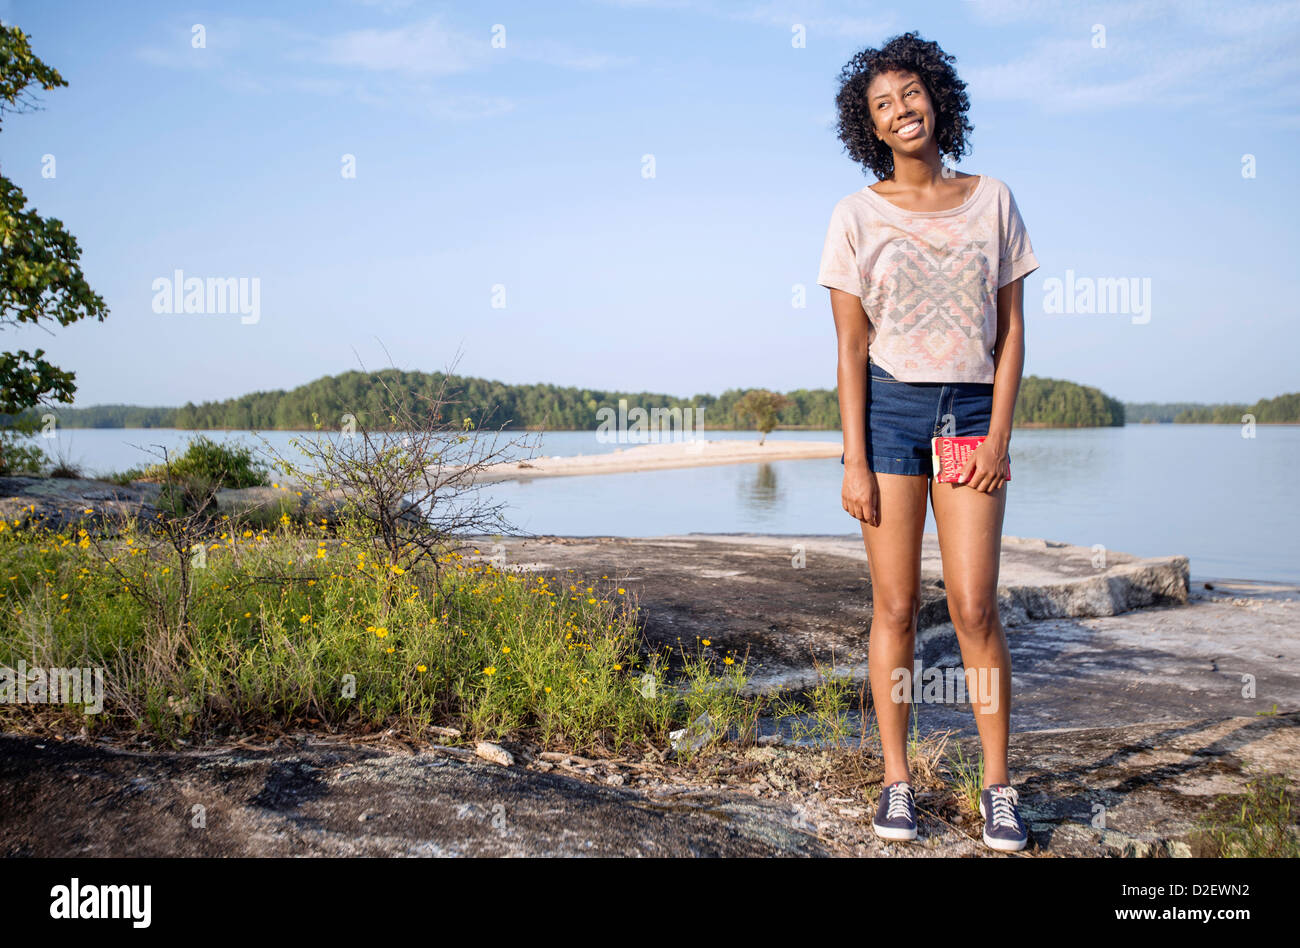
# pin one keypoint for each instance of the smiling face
(901, 111)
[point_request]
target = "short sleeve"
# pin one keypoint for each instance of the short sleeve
(1016, 258)
(839, 266)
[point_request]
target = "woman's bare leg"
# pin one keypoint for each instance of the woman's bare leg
(970, 543)
(894, 558)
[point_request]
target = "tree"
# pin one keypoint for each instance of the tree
(407, 473)
(764, 407)
(40, 278)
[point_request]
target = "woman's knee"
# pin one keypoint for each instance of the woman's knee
(896, 613)
(974, 615)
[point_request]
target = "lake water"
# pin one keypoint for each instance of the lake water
(1225, 501)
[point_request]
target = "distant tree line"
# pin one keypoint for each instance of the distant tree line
(1284, 409)
(1042, 402)
(102, 416)
(1054, 403)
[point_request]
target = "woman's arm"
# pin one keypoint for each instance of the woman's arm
(990, 458)
(853, 333)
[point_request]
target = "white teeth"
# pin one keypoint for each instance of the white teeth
(907, 129)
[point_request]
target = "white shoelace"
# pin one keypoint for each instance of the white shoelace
(1003, 800)
(898, 800)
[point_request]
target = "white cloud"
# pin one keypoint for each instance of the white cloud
(390, 66)
(819, 19)
(1240, 55)
(840, 20)
(427, 48)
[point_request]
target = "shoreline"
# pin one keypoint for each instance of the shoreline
(65, 501)
(851, 544)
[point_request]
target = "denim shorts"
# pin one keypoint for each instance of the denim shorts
(903, 416)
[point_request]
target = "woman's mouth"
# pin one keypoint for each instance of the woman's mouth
(911, 130)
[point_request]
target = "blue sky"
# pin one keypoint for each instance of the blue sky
(521, 166)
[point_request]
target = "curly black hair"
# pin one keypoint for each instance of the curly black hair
(906, 52)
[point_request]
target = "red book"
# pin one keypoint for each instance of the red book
(950, 456)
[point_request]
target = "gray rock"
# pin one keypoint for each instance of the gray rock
(1135, 791)
(494, 752)
(101, 506)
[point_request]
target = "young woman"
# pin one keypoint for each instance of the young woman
(925, 272)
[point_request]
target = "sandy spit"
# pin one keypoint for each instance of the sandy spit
(655, 457)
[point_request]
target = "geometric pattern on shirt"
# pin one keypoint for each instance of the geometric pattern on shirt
(938, 293)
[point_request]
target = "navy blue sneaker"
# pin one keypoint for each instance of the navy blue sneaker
(1004, 830)
(896, 813)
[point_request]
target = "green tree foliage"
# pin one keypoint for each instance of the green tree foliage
(1042, 403)
(763, 408)
(1156, 412)
(1283, 408)
(1058, 404)
(40, 278)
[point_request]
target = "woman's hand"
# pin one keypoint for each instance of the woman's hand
(860, 494)
(988, 465)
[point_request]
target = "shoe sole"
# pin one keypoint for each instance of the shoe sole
(1005, 845)
(1002, 845)
(891, 832)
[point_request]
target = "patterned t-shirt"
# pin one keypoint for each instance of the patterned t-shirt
(928, 280)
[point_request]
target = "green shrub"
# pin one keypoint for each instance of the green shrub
(227, 465)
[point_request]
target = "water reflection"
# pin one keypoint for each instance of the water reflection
(761, 490)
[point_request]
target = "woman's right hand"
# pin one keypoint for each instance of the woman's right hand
(860, 495)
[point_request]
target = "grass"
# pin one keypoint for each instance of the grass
(967, 777)
(821, 713)
(289, 628)
(1261, 823)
